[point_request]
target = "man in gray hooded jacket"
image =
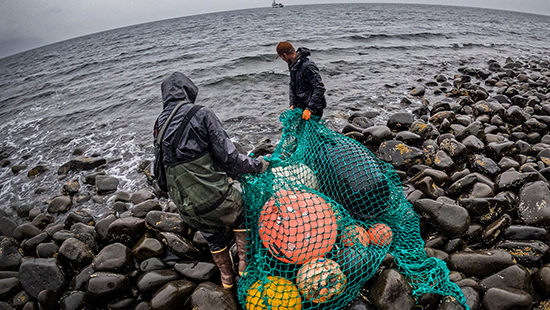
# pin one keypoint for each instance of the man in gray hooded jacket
(198, 170)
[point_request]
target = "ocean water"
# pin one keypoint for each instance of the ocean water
(101, 92)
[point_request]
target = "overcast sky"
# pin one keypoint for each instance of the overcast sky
(25, 24)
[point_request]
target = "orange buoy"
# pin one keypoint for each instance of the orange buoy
(354, 234)
(321, 280)
(380, 234)
(276, 294)
(297, 226)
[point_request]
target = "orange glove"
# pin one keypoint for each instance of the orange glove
(292, 107)
(306, 115)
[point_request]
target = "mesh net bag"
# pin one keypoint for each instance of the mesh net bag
(322, 218)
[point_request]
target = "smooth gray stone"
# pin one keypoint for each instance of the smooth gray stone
(454, 220)
(38, 274)
(211, 296)
(106, 284)
(115, 257)
(172, 295)
(506, 298)
(515, 276)
(480, 263)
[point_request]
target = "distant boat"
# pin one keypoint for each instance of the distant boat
(276, 5)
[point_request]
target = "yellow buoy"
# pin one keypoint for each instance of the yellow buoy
(277, 294)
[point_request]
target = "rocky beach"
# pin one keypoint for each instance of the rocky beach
(475, 165)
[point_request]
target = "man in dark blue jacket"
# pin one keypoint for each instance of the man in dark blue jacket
(307, 90)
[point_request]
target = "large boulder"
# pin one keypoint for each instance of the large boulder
(38, 274)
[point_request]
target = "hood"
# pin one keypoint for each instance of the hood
(178, 87)
(301, 55)
(303, 52)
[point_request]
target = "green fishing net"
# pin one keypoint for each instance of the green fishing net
(321, 220)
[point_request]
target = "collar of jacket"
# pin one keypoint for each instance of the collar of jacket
(297, 61)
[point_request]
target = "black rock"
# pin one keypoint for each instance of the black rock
(426, 131)
(515, 276)
(102, 227)
(115, 257)
(455, 149)
(141, 196)
(47, 250)
(164, 222)
(76, 252)
(81, 163)
(495, 229)
(454, 220)
(172, 295)
(7, 227)
(534, 207)
(153, 263)
(78, 216)
(106, 184)
(439, 177)
(376, 134)
(443, 161)
(485, 210)
(427, 186)
(391, 291)
(126, 230)
(47, 300)
(143, 208)
(484, 165)
(71, 188)
(151, 281)
(75, 300)
(506, 298)
(10, 257)
(38, 274)
(362, 122)
(86, 234)
(148, 247)
(105, 285)
(525, 252)
(62, 235)
(400, 121)
(211, 296)
(60, 204)
(29, 245)
(178, 245)
(9, 287)
(462, 185)
(523, 232)
(449, 303)
(409, 138)
(42, 220)
(80, 280)
(542, 279)
(399, 154)
(143, 306)
(197, 271)
(122, 304)
(480, 263)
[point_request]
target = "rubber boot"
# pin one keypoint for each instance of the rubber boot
(223, 261)
(241, 239)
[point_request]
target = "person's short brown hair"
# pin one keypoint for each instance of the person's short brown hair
(284, 48)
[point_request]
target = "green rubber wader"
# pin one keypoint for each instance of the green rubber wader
(203, 194)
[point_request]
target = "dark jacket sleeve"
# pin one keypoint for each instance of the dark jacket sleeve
(292, 94)
(316, 102)
(224, 151)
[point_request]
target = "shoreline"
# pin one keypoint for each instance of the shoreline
(475, 165)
